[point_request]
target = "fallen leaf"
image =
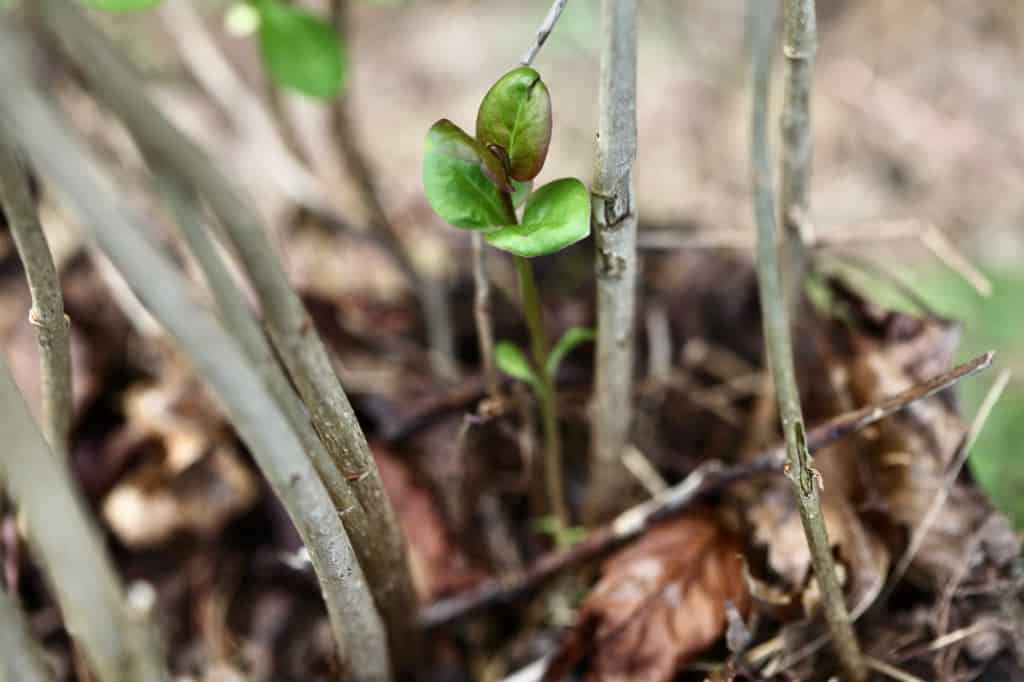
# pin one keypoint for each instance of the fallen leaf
(438, 565)
(660, 602)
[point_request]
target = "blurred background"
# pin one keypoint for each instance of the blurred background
(917, 122)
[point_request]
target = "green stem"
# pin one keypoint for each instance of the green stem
(545, 390)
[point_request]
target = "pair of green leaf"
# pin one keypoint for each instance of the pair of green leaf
(465, 179)
(512, 361)
(301, 51)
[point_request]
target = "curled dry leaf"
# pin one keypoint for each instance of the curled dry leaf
(908, 459)
(153, 503)
(660, 602)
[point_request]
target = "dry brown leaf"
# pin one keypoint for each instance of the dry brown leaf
(153, 503)
(908, 459)
(660, 602)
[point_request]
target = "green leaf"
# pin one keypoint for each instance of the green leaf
(512, 361)
(573, 337)
(301, 51)
(515, 115)
(454, 180)
(556, 215)
(122, 5)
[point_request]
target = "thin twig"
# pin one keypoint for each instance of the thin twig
(546, 27)
(35, 124)
(47, 314)
(949, 480)
(800, 42)
(889, 671)
(482, 315)
(614, 217)
(780, 355)
(291, 329)
(21, 657)
(116, 641)
(239, 321)
(706, 479)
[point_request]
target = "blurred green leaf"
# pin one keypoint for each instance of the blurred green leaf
(521, 193)
(556, 216)
(122, 5)
(512, 361)
(564, 536)
(301, 51)
(573, 337)
(454, 180)
(515, 115)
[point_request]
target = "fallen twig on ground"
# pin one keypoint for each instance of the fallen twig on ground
(705, 479)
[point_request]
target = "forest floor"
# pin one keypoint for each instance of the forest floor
(906, 136)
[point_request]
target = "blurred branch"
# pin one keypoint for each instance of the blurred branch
(800, 42)
(780, 351)
(430, 290)
(866, 234)
(21, 657)
(704, 480)
(614, 216)
(290, 326)
(355, 622)
(117, 643)
(47, 315)
(239, 321)
(546, 27)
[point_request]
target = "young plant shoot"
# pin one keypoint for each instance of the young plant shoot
(477, 184)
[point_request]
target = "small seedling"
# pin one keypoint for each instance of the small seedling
(478, 183)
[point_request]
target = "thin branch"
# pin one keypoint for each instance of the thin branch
(47, 314)
(614, 219)
(704, 480)
(117, 643)
(546, 27)
(290, 326)
(21, 657)
(800, 42)
(239, 321)
(430, 290)
(219, 360)
(780, 354)
(482, 315)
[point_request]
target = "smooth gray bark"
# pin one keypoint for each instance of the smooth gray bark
(21, 658)
(35, 126)
(779, 347)
(47, 314)
(290, 327)
(117, 643)
(614, 217)
(800, 42)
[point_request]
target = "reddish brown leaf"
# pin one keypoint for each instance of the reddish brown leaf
(438, 565)
(660, 603)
